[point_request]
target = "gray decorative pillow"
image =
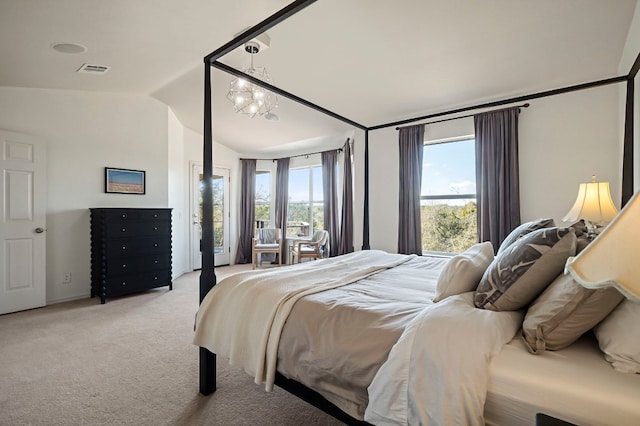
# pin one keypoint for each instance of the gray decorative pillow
(523, 230)
(520, 273)
(565, 311)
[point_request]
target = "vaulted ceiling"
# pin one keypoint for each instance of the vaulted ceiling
(373, 61)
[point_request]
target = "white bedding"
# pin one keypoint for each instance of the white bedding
(451, 365)
(230, 324)
(338, 361)
(437, 373)
(575, 384)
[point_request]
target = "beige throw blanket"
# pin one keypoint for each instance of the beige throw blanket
(242, 317)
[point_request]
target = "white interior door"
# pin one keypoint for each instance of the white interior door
(222, 245)
(22, 227)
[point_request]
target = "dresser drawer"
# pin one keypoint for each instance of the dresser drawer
(150, 215)
(124, 284)
(125, 229)
(137, 246)
(130, 265)
(111, 215)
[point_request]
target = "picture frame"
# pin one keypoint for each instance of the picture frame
(124, 181)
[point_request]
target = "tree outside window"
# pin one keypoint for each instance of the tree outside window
(263, 198)
(448, 196)
(305, 212)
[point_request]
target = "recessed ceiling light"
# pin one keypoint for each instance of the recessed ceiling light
(72, 48)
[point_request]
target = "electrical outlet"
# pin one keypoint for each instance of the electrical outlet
(66, 278)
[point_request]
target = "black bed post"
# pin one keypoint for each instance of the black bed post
(365, 221)
(207, 274)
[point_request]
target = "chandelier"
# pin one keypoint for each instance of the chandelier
(251, 99)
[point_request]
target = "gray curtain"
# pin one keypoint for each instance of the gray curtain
(411, 143)
(497, 174)
(282, 199)
(330, 194)
(346, 222)
(247, 210)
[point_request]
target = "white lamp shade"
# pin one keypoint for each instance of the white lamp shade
(593, 204)
(612, 258)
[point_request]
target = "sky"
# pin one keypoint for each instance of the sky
(449, 168)
(298, 184)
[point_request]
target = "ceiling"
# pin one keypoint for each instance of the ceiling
(372, 61)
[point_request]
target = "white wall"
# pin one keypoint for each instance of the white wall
(358, 187)
(85, 132)
(564, 139)
(178, 196)
(629, 55)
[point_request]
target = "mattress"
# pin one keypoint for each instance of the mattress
(575, 384)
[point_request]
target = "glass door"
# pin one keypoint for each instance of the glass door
(221, 243)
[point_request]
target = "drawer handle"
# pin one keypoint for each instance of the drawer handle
(155, 278)
(155, 244)
(155, 215)
(124, 215)
(124, 265)
(124, 229)
(155, 228)
(155, 261)
(124, 283)
(124, 247)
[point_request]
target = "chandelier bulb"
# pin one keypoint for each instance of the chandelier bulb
(249, 98)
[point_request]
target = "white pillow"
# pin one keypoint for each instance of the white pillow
(463, 272)
(619, 337)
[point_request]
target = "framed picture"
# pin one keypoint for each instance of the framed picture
(124, 181)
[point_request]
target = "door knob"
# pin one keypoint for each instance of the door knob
(39, 230)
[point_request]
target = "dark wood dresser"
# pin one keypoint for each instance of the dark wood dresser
(130, 250)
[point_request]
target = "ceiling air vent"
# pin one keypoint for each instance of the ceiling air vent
(93, 69)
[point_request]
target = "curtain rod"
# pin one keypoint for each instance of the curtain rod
(462, 116)
(298, 155)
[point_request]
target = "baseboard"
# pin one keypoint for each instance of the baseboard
(66, 299)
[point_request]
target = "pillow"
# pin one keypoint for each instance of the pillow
(580, 227)
(565, 311)
(619, 337)
(520, 273)
(463, 271)
(525, 229)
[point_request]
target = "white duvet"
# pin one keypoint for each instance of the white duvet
(231, 324)
(437, 372)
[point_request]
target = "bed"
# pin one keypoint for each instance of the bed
(503, 392)
(363, 332)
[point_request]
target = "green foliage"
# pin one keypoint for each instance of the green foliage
(448, 228)
(299, 215)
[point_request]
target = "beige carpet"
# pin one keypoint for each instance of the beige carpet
(128, 362)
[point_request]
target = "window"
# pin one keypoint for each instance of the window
(448, 196)
(306, 208)
(263, 198)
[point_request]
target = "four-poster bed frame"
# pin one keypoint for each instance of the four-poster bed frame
(208, 278)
